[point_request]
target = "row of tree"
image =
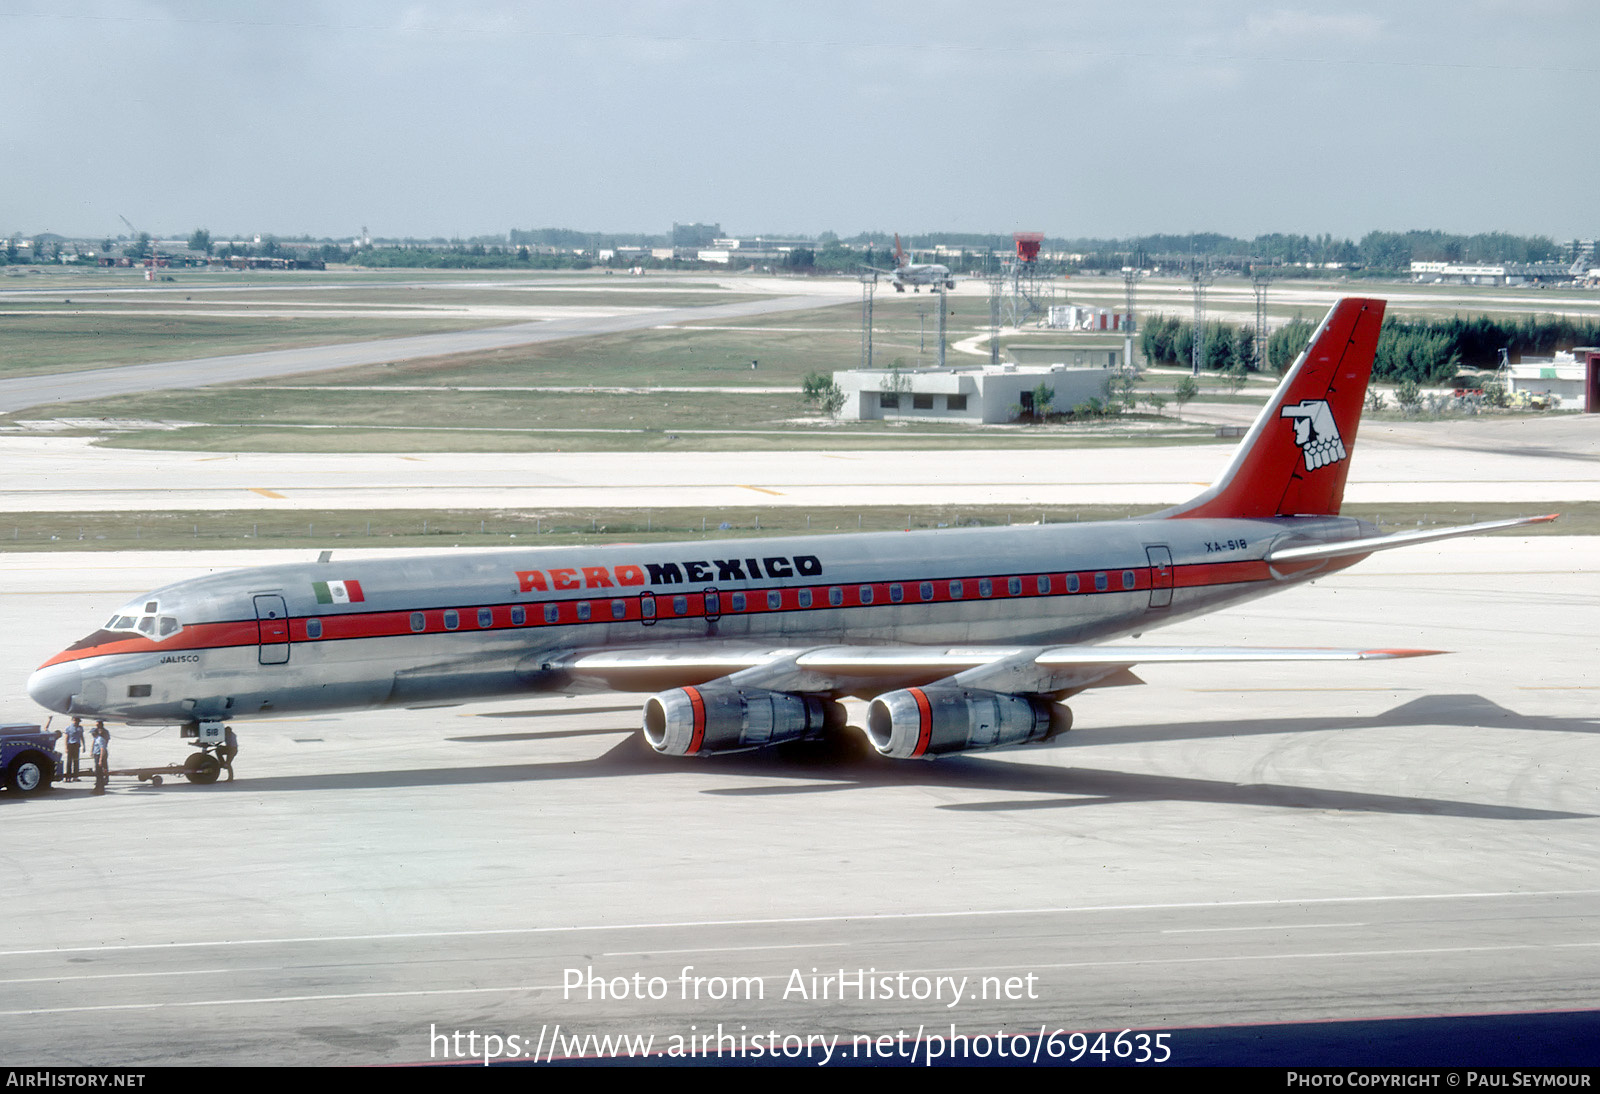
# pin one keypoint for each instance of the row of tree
(1168, 340)
(1425, 351)
(1391, 251)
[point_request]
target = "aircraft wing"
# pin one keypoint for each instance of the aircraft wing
(1367, 545)
(847, 669)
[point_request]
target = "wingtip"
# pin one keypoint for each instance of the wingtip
(1390, 655)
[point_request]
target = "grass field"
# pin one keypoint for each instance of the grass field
(33, 345)
(316, 531)
(422, 405)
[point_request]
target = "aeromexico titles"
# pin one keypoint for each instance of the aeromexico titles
(961, 639)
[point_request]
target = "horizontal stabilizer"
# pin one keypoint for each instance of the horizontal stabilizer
(1369, 544)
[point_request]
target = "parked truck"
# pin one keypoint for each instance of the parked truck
(29, 762)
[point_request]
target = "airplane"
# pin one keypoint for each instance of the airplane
(915, 274)
(961, 639)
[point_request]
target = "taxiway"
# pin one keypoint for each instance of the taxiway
(1227, 844)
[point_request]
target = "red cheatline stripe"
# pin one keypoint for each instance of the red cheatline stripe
(387, 624)
(699, 706)
(924, 721)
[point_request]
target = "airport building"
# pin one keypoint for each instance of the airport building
(1573, 377)
(985, 394)
(1508, 273)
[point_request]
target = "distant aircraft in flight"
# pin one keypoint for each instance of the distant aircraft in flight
(961, 639)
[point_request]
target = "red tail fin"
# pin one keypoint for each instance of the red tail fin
(1296, 456)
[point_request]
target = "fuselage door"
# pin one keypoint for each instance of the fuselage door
(647, 609)
(1160, 576)
(713, 605)
(272, 626)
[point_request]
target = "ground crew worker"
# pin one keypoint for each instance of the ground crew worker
(101, 750)
(74, 739)
(229, 749)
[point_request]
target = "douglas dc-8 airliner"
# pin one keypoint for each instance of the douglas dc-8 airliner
(961, 639)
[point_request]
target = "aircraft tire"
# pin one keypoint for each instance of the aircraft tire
(201, 769)
(29, 773)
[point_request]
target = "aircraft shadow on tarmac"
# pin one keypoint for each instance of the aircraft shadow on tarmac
(1470, 711)
(849, 765)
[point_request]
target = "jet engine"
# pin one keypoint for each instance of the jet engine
(930, 721)
(692, 721)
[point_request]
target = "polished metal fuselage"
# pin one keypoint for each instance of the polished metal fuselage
(458, 626)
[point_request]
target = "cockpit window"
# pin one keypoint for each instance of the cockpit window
(148, 622)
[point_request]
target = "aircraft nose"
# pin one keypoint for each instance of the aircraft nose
(54, 686)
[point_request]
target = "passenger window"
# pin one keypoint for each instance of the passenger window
(956, 590)
(552, 612)
(985, 587)
(805, 598)
(485, 617)
(836, 596)
(418, 621)
(774, 600)
(519, 616)
(738, 602)
(1072, 583)
(1101, 583)
(680, 605)
(583, 610)
(313, 628)
(896, 593)
(865, 594)
(1014, 586)
(452, 620)
(1043, 585)
(925, 590)
(1127, 579)
(619, 609)
(647, 607)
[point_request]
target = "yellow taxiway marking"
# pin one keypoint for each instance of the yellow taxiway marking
(265, 493)
(762, 490)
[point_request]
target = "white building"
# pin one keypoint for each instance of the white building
(1569, 376)
(984, 394)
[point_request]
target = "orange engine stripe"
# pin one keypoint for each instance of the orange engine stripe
(924, 719)
(699, 706)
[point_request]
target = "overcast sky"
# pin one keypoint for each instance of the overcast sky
(1076, 119)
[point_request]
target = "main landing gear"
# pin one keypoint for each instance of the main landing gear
(202, 768)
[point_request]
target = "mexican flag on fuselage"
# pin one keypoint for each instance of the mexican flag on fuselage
(338, 592)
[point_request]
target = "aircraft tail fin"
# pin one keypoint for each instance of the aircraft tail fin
(1295, 458)
(899, 255)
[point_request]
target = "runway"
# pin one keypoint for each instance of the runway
(22, 392)
(1227, 844)
(1540, 461)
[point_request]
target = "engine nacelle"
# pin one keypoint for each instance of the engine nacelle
(930, 721)
(693, 721)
